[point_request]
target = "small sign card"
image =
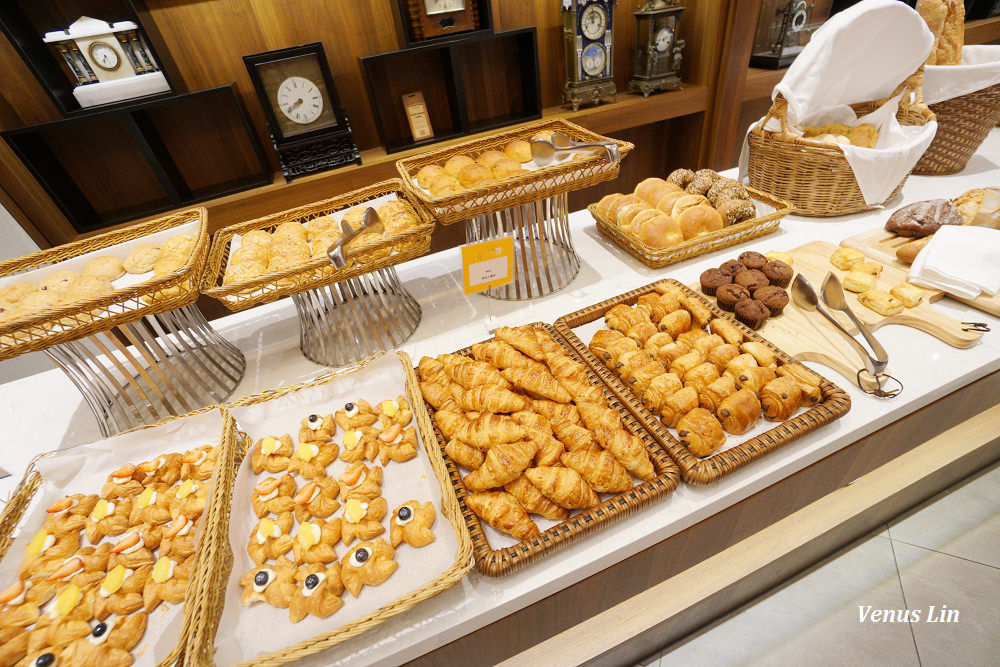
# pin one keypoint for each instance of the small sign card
(488, 264)
(416, 114)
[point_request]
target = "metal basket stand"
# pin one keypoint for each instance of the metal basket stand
(545, 260)
(355, 318)
(159, 366)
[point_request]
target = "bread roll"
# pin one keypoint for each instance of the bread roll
(444, 184)
(519, 150)
(473, 175)
(428, 173)
(909, 251)
(619, 204)
(456, 163)
(685, 202)
(489, 158)
(658, 231)
(606, 202)
(652, 189)
(627, 214)
(698, 220)
(505, 168)
(666, 202)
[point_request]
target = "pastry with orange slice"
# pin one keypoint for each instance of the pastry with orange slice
(178, 538)
(397, 444)
(273, 495)
(394, 411)
(273, 583)
(411, 523)
(164, 469)
(271, 538)
(131, 551)
(188, 498)
(109, 517)
(362, 518)
(316, 498)
(359, 444)
(167, 582)
(69, 513)
(360, 481)
(315, 540)
(367, 564)
(311, 459)
(120, 592)
(318, 592)
(317, 428)
(198, 464)
(108, 644)
(271, 454)
(151, 506)
(123, 483)
(355, 415)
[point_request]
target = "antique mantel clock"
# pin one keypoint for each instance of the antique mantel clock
(588, 40)
(657, 49)
(308, 125)
(428, 19)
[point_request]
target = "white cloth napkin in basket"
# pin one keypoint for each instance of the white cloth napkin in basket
(859, 55)
(980, 69)
(963, 260)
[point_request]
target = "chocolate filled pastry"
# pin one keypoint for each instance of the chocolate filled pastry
(316, 498)
(271, 538)
(273, 583)
(701, 376)
(661, 388)
(739, 411)
(642, 332)
(411, 523)
(764, 355)
(668, 354)
(923, 218)
(271, 454)
(273, 495)
(712, 395)
(677, 405)
(754, 378)
(692, 336)
(722, 355)
(622, 318)
(318, 592)
(665, 303)
(318, 429)
(700, 432)
(705, 344)
(700, 313)
(683, 364)
(315, 540)
(675, 323)
(355, 415)
(780, 398)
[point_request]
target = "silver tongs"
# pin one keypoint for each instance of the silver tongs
(543, 152)
(833, 296)
(370, 222)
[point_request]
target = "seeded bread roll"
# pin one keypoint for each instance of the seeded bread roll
(680, 177)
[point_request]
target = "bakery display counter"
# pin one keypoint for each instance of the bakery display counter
(542, 607)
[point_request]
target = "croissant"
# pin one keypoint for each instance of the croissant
(504, 463)
(701, 376)
(522, 339)
(623, 318)
(739, 411)
(682, 365)
(597, 414)
(533, 501)
(450, 423)
(549, 448)
(712, 395)
(502, 355)
(629, 451)
(572, 436)
(598, 344)
(780, 398)
(600, 469)
(722, 355)
(692, 336)
(549, 346)
(550, 410)
(799, 373)
(531, 420)
(583, 391)
(502, 511)
(464, 454)
(487, 398)
(666, 303)
(666, 287)
(438, 395)
(474, 373)
(642, 331)
(431, 370)
(564, 486)
(675, 323)
(659, 390)
(700, 432)
(487, 430)
(729, 331)
(538, 383)
(679, 404)
(700, 313)
(670, 353)
(564, 367)
(706, 344)
(764, 355)
(754, 378)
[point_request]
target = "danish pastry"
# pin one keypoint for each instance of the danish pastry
(362, 518)
(411, 523)
(273, 495)
(367, 564)
(310, 459)
(394, 411)
(70, 513)
(359, 444)
(167, 583)
(271, 454)
(198, 464)
(178, 538)
(108, 643)
(360, 481)
(271, 538)
(164, 469)
(273, 583)
(151, 506)
(355, 415)
(397, 444)
(188, 498)
(881, 302)
(315, 539)
(109, 517)
(124, 482)
(318, 592)
(316, 498)
(317, 429)
(121, 591)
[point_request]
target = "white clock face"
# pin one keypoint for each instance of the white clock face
(300, 100)
(104, 56)
(593, 21)
(663, 38)
(432, 7)
(593, 59)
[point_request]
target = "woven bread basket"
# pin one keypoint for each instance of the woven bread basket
(816, 176)
(963, 123)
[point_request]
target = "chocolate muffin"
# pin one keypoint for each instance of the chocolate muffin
(773, 297)
(751, 279)
(712, 280)
(779, 273)
(751, 312)
(753, 260)
(729, 295)
(732, 267)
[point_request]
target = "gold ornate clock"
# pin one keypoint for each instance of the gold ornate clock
(588, 40)
(657, 49)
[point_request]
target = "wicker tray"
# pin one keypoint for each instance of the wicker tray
(659, 257)
(15, 509)
(199, 647)
(834, 404)
(156, 295)
(814, 176)
(963, 123)
(317, 272)
(499, 562)
(531, 186)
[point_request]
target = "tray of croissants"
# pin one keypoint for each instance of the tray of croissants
(689, 213)
(108, 539)
(485, 175)
(538, 450)
(713, 392)
(265, 259)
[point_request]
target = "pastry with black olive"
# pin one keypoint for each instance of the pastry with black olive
(367, 564)
(411, 523)
(355, 415)
(317, 429)
(273, 583)
(318, 592)
(108, 643)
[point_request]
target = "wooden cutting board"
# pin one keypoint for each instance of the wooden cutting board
(881, 246)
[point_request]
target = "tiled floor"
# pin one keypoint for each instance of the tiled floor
(944, 553)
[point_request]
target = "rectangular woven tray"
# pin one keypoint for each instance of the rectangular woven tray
(834, 403)
(15, 508)
(156, 295)
(499, 562)
(656, 258)
(200, 641)
(530, 186)
(316, 272)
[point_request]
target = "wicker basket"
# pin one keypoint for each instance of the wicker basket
(656, 258)
(530, 186)
(317, 272)
(199, 648)
(205, 554)
(500, 562)
(834, 404)
(963, 123)
(814, 176)
(156, 295)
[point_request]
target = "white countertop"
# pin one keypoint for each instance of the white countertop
(45, 411)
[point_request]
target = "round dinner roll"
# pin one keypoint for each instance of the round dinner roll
(734, 211)
(474, 175)
(652, 189)
(355, 217)
(506, 167)
(323, 225)
(250, 253)
(444, 184)
(58, 280)
(543, 134)
(16, 292)
(457, 163)
(427, 173)
(179, 245)
(618, 205)
(290, 229)
(167, 264)
(321, 244)
(686, 202)
(667, 201)
(87, 287)
(38, 301)
(696, 220)
(519, 150)
(606, 202)
(658, 231)
(642, 216)
(142, 258)
(628, 213)
(394, 207)
(107, 267)
(257, 237)
(490, 157)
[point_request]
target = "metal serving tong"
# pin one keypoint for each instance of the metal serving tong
(543, 152)
(370, 222)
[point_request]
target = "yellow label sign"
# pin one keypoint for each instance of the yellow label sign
(488, 264)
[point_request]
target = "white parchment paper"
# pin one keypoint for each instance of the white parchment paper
(248, 632)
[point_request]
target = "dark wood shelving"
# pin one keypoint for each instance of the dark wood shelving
(983, 31)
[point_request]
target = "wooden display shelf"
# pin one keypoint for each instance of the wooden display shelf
(983, 31)
(760, 82)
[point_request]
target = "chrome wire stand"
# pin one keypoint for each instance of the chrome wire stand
(355, 318)
(159, 366)
(545, 260)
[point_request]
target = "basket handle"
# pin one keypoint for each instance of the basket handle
(779, 111)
